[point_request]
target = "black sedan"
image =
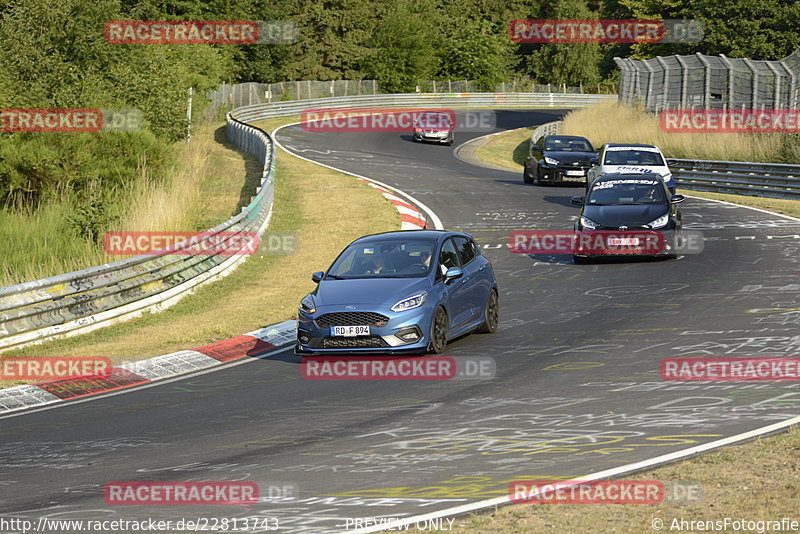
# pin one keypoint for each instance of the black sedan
(559, 159)
(628, 214)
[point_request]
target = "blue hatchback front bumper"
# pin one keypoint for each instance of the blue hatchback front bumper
(389, 332)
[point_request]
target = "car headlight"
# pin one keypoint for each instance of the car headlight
(661, 221)
(410, 303)
(550, 161)
(588, 223)
(307, 305)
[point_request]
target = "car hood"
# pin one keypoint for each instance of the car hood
(635, 215)
(569, 157)
(367, 291)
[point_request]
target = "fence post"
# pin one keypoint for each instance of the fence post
(706, 80)
(648, 98)
(731, 70)
(684, 81)
(776, 94)
(791, 97)
(754, 86)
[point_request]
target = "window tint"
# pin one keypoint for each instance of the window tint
(567, 145)
(466, 250)
(449, 256)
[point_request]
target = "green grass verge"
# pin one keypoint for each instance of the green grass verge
(497, 149)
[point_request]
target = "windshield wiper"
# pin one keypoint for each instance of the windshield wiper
(335, 277)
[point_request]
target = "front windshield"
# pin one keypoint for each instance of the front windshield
(631, 156)
(561, 144)
(384, 259)
(434, 120)
(636, 191)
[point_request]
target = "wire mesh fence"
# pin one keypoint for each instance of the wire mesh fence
(231, 96)
(710, 82)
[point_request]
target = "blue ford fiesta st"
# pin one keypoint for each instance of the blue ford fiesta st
(406, 291)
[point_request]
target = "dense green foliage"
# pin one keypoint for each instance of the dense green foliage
(54, 55)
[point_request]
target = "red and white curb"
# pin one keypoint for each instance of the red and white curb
(252, 344)
(411, 217)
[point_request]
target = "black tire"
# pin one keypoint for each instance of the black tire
(450, 140)
(526, 178)
(580, 260)
(438, 331)
(674, 254)
(491, 315)
(537, 179)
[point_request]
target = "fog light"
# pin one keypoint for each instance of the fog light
(409, 334)
(304, 338)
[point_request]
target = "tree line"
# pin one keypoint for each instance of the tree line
(54, 55)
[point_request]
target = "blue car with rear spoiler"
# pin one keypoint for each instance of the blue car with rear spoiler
(399, 292)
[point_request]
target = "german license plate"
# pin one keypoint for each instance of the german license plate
(623, 241)
(574, 173)
(349, 331)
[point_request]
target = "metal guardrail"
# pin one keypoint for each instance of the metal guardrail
(548, 128)
(776, 180)
(90, 298)
(423, 100)
(93, 297)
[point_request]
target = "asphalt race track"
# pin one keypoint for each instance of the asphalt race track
(577, 388)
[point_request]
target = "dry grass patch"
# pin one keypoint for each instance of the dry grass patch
(618, 123)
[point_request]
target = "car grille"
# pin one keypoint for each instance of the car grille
(366, 342)
(350, 319)
(628, 229)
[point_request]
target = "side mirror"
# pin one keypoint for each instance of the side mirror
(577, 200)
(453, 273)
(672, 162)
(317, 277)
(675, 199)
(537, 148)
